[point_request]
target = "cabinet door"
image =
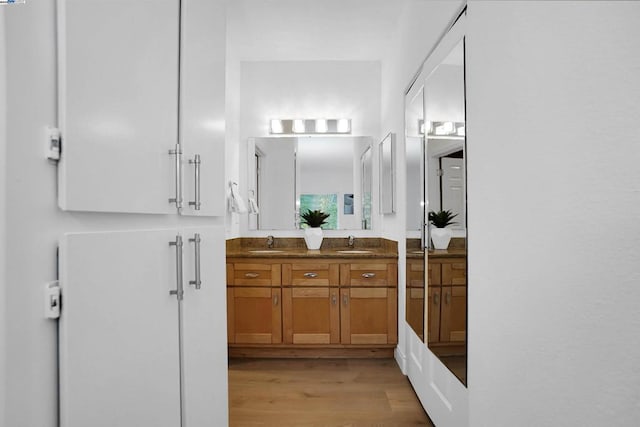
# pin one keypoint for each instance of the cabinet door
(415, 310)
(368, 316)
(119, 330)
(433, 314)
(454, 314)
(204, 327)
(311, 315)
(202, 106)
(254, 315)
(118, 104)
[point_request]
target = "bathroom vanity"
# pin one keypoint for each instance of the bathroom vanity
(287, 301)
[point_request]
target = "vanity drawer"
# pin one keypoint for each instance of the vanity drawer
(454, 273)
(310, 274)
(369, 274)
(253, 274)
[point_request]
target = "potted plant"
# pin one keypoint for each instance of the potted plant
(313, 233)
(441, 236)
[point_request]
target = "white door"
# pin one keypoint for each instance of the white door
(453, 194)
(205, 329)
(202, 106)
(118, 104)
(119, 330)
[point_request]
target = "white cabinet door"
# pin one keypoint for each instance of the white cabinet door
(119, 330)
(202, 105)
(118, 104)
(205, 329)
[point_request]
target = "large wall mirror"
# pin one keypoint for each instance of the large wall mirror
(435, 136)
(288, 175)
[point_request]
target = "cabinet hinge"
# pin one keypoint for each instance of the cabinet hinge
(53, 148)
(439, 172)
(52, 300)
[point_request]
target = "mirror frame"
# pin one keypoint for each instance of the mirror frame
(387, 183)
(363, 178)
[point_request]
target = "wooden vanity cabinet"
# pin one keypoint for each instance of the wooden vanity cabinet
(311, 312)
(311, 303)
(254, 303)
(447, 310)
(369, 302)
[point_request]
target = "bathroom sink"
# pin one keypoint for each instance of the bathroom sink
(353, 251)
(265, 251)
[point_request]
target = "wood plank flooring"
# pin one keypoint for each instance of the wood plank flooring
(321, 392)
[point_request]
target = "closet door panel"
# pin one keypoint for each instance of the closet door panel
(202, 106)
(118, 104)
(205, 328)
(119, 335)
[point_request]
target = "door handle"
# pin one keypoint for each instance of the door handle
(178, 199)
(196, 166)
(436, 299)
(334, 299)
(275, 299)
(345, 300)
(179, 290)
(196, 240)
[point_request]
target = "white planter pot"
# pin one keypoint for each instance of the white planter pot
(441, 237)
(313, 238)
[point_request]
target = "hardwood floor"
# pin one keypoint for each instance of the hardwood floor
(321, 392)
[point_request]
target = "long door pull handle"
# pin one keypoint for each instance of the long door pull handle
(178, 291)
(196, 166)
(196, 240)
(178, 199)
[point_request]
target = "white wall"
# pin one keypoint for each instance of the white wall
(554, 203)
(3, 277)
(34, 223)
(306, 89)
(421, 26)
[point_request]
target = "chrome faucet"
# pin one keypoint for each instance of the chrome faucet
(270, 242)
(352, 241)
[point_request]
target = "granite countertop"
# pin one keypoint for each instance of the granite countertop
(456, 249)
(364, 248)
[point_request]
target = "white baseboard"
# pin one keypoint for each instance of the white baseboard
(401, 360)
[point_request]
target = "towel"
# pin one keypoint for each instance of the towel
(237, 204)
(253, 206)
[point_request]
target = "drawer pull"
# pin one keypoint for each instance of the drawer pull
(311, 275)
(252, 275)
(368, 275)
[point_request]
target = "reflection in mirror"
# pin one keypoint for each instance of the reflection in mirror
(435, 162)
(366, 166)
(387, 174)
(289, 175)
(445, 176)
(414, 166)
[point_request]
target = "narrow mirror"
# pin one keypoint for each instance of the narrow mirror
(387, 174)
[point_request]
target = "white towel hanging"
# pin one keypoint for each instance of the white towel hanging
(237, 205)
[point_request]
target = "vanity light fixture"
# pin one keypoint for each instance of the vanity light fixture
(321, 126)
(275, 126)
(298, 126)
(309, 126)
(442, 129)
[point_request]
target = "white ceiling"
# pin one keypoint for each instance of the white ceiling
(303, 30)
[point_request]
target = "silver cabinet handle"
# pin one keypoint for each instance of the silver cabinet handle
(368, 275)
(436, 299)
(196, 166)
(179, 290)
(196, 240)
(275, 299)
(311, 275)
(345, 300)
(447, 298)
(251, 275)
(178, 199)
(334, 299)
